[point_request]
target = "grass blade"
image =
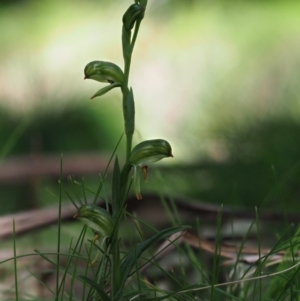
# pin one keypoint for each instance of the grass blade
(134, 254)
(15, 262)
(102, 294)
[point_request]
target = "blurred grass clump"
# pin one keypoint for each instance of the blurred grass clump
(75, 129)
(260, 165)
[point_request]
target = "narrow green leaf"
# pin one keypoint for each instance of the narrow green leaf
(106, 169)
(14, 137)
(106, 89)
(129, 112)
(134, 254)
(15, 262)
(57, 292)
(117, 214)
(102, 294)
(128, 115)
(116, 199)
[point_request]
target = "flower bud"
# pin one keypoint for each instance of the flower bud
(104, 72)
(134, 13)
(150, 151)
(98, 219)
(147, 152)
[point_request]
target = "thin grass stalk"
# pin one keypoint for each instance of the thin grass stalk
(14, 137)
(175, 212)
(115, 279)
(168, 211)
(59, 233)
(138, 277)
(259, 263)
(217, 252)
(15, 262)
(239, 253)
(83, 191)
(283, 207)
(106, 169)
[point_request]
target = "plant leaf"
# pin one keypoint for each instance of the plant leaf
(101, 293)
(129, 112)
(105, 89)
(134, 254)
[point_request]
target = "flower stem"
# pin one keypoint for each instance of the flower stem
(127, 62)
(129, 120)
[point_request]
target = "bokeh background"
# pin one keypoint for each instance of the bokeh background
(218, 79)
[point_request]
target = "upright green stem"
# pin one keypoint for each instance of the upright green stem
(129, 119)
(125, 90)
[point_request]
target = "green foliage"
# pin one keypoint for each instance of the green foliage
(132, 257)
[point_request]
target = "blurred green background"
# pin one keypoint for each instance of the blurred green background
(218, 79)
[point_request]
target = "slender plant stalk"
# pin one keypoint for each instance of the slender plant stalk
(59, 232)
(129, 135)
(15, 262)
(259, 267)
(216, 258)
(125, 90)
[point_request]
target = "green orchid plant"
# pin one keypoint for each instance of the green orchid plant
(104, 224)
